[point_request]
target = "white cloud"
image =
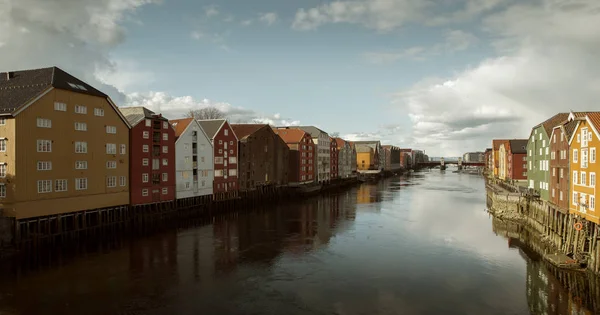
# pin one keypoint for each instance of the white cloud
(176, 107)
(246, 22)
(385, 15)
(197, 35)
(74, 35)
(268, 18)
(546, 64)
(125, 75)
(454, 40)
(211, 11)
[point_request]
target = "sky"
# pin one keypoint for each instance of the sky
(444, 76)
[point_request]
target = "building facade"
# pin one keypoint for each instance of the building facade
(367, 158)
(517, 159)
(302, 155)
(503, 160)
(323, 158)
(194, 164)
(473, 157)
(496, 156)
(264, 156)
(152, 156)
(392, 157)
(344, 158)
(488, 160)
(334, 159)
(559, 164)
(56, 135)
(225, 155)
(538, 155)
(377, 162)
(584, 167)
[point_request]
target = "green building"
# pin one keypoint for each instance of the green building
(538, 155)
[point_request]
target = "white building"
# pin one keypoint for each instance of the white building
(323, 161)
(194, 166)
(344, 158)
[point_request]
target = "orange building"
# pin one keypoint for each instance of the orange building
(584, 167)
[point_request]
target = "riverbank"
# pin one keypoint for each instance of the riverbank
(572, 241)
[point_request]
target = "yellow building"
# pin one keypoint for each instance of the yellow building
(64, 146)
(502, 161)
(365, 157)
(583, 145)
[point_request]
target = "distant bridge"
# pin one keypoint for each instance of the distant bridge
(438, 163)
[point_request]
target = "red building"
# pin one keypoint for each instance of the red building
(225, 146)
(152, 156)
(405, 160)
(487, 159)
(517, 159)
(333, 157)
(560, 164)
(302, 154)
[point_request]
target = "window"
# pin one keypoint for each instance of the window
(145, 148)
(220, 141)
(165, 177)
(230, 151)
(44, 186)
(80, 126)
(554, 138)
(584, 158)
(165, 149)
(146, 135)
(528, 167)
(220, 151)
(148, 123)
(111, 129)
(553, 193)
(232, 160)
(592, 202)
(60, 106)
(232, 172)
(80, 147)
(111, 181)
(3, 170)
(80, 165)
(145, 162)
(524, 173)
(123, 181)
(540, 151)
(165, 125)
(187, 185)
(218, 173)
(42, 146)
(145, 178)
(111, 148)
(592, 155)
(111, 164)
(584, 137)
(583, 179)
(529, 152)
(575, 198)
(231, 142)
(560, 195)
(552, 155)
(145, 192)
(165, 162)
(554, 171)
(165, 190)
(561, 173)
(165, 136)
(155, 164)
(81, 183)
(226, 132)
(80, 109)
(578, 138)
(98, 111)
(575, 156)
(592, 179)
(575, 177)
(44, 123)
(123, 149)
(2, 190)
(44, 165)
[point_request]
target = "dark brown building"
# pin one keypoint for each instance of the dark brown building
(333, 155)
(302, 154)
(559, 165)
(263, 156)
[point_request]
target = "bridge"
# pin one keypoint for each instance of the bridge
(438, 163)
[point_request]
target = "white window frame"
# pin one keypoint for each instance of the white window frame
(145, 148)
(145, 192)
(2, 190)
(122, 181)
(592, 179)
(61, 107)
(111, 148)
(98, 111)
(81, 147)
(44, 143)
(61, 185)
(165, 149)
(226, 132)
(80, 126)
(145, 178)
(575, 156)
(165, 136)
(583, 179)
(81, 109)
(111, 129)
(43, 122)
(592, 202)
(165, 125)
(165, 162)
(81, 183)
(574, 201)
(145, 162)
(165, 190)
(592, 155)
(146, 134)
(81, 165)
(165, 177)
(148, 123)
(218, 173)
(44, 165)
(123, 150)
(575, 174)
(111, 181)
(111, 164)
(3, 145)
(3, 169)
(44, 186)
(232, 172)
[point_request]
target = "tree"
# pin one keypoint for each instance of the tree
(206, 113)
(334, 134)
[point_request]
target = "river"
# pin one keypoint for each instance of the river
(422, 244)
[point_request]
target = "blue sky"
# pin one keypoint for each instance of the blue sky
(446, 76)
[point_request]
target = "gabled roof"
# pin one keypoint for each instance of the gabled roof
(290, 135)
(497, 142)
(18, 88)
(211, 126)
(135, 114)
(362, 148)
(314, 131)
(570, 128)
(180, 125)
(341, 142)
(244, 130)
(518, 146)
(552, 122)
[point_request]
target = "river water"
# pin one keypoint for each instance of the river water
(407, 245)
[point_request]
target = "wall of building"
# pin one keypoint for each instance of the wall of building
(23, 199)
(192, 183)
(518, 166)
(580, 193)
(538, 174)
(333, 159)
(264, 160)
(225, 147)
(364, 160)
(560, 171)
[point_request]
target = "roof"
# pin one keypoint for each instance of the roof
(497, 142)
(24, 86)
(180, 125)
(341, 142)
(594, 118)
(361, 148)
(314, 131)
(244, 130)
(135, 114)
(290, 135)
(570, 128)
(211, 126)
(518, 146)
(552, 122)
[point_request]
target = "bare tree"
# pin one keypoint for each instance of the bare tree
(334, 134)
(206, 113)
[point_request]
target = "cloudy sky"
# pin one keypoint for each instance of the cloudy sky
(446, 76)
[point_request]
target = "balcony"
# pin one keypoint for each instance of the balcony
(156, 137)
